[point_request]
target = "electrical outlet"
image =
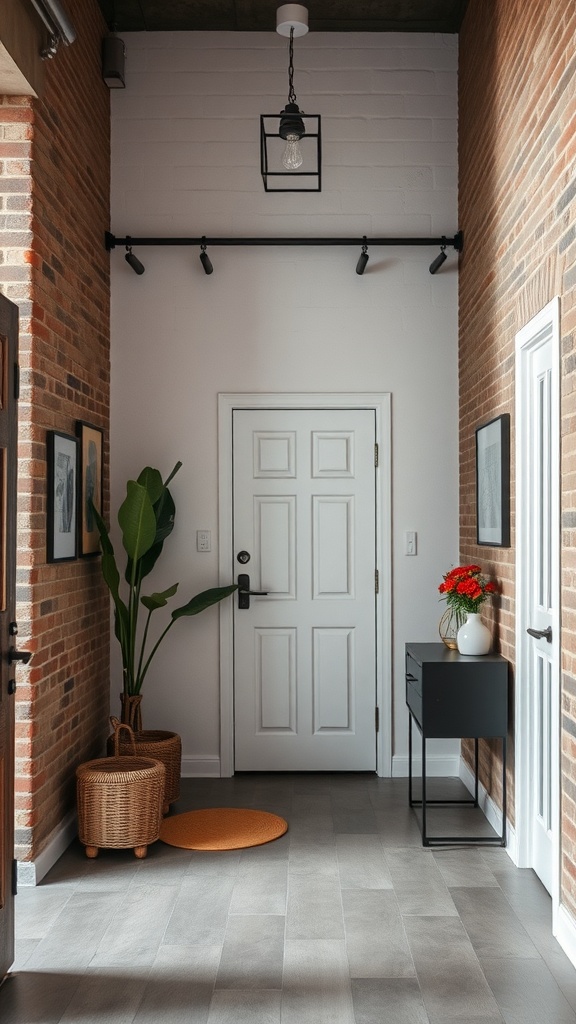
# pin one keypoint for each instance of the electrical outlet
(203, 540)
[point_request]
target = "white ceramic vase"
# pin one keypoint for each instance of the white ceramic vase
(473, 637)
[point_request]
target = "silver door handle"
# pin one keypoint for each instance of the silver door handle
(541, 634)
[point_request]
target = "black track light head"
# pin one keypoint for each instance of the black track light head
(133, 261)
(363, 258)
(205, 259)
(440, 259)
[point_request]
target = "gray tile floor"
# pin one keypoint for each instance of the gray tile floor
(344, 920)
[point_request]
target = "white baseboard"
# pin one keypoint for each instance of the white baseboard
(436, 767)
(566, 932)
(491, 811)
(200, 767)
(31, 872)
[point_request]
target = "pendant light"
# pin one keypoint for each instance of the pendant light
(280, 164)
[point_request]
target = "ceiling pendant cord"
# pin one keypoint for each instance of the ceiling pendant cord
(291, 93)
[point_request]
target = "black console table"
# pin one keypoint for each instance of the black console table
(452, 695)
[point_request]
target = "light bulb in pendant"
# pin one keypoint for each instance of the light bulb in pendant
(292, 157)
(291, 129)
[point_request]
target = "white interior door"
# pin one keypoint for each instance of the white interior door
(305, 652)
(8, 491)
(538, 674)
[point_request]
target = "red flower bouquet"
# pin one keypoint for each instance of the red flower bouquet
(465, 588)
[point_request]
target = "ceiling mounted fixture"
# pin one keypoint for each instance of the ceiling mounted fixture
(280, 164)
(113, 62)
(56, 21)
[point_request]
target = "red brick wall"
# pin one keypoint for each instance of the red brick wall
(55, 267)
(517, 143)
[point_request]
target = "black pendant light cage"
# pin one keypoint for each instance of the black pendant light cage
(309, 179)
(277, 131)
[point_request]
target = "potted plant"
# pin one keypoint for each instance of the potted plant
(146, 519)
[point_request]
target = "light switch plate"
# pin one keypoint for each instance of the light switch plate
(410, 542)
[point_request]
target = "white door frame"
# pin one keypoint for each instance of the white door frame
(381, 405)
(543, 327)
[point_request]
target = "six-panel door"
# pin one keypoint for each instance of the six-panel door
(305, 654)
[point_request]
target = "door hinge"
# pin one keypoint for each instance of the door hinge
(376, 456)
(376, 581)
(16, 381)
(14, 877)
(377, 719)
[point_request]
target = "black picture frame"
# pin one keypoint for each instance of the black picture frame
(493, 483)
(91, 444)
(62, 501)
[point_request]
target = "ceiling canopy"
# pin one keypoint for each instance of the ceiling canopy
(260, 15)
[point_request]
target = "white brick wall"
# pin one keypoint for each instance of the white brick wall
(186, 162)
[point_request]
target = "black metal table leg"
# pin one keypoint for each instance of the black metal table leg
(410, 800)
(504, 808)
(424, 836)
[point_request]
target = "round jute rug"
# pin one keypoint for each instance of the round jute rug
(222, 828)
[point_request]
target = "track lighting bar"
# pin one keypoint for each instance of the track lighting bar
(457, 242)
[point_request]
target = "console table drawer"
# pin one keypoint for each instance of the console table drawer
(413, 673)
(414, 701)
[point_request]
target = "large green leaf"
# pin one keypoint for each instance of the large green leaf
(164, 510)
(204, 600)
(137, 521)
(152, 481)
(109, 568)
(112, 579)
(154, 601)
(173, 473)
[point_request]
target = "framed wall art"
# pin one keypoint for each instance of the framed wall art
(493, 483)
(62, 461)
(89, 486)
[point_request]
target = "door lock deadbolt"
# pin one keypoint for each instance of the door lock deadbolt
(243, 557)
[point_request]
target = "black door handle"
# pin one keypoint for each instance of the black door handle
(14, 655)
(244, 591)
(541, 634)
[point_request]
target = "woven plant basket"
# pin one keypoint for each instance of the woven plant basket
(120, 801)
(162, 746)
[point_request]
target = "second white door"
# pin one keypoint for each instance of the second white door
(305, 535)
(538, 567)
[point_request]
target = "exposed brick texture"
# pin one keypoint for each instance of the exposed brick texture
(54, 266)
(517, 145)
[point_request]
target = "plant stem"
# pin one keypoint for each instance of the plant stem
(154, 649)
(139, 676)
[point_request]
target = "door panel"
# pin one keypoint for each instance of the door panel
(8, 469)
(305, 649)
(540, 610)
